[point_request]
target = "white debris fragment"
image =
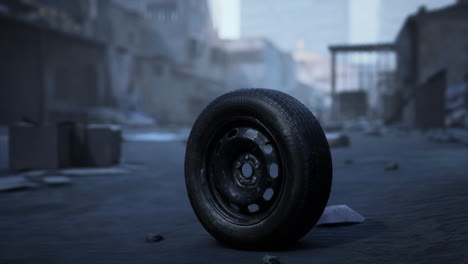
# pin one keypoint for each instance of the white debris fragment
(56, 180)
(339, 214)
(93, 171)
(12, 183)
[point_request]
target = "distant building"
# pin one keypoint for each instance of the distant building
(392, 15)
(316, 23)
(433, 65)
(260, 63)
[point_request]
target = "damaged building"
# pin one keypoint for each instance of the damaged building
(432, 67)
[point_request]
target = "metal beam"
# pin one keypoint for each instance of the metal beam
(362, 47)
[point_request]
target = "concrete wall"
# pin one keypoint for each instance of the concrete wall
(431, 42)
(21, 82)
(48, 75)
(443, 45)
(171, 96)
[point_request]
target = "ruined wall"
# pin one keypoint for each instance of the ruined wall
(20, 72)
(171, 96)
(48, 75)
(443, 44)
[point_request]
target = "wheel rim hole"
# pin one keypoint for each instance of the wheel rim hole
(268, 194)
(251, 133)
(247, 170)
(232, 133)
(273, 170)
(253, 208)
(268, 148)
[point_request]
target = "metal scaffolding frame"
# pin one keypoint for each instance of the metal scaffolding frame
(363, 67)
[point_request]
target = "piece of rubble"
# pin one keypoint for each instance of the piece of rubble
(337, 140)
(392, 166)
(32, 174)
(267, 259)
(56, 180)
(372, 131)
(339, 215)
(13, 183)
(93, 171)
(153, 238)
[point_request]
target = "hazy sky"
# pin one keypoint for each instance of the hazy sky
(229, 20)
(363, 13)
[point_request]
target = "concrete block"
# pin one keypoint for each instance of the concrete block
(39, 147)
(102, 145)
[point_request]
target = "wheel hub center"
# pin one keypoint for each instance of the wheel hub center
(247, 170)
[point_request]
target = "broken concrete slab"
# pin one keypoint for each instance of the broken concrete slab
(339, 215)
(56, 180)
(12, 183)
(34, 174)
(93, 171)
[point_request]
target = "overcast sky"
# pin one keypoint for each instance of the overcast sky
(363, 14)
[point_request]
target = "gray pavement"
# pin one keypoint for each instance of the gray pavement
(416, 214)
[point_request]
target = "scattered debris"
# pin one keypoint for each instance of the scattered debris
(457, 118)
(153, 238)
(337, 140)
(348, 162)
(339, 215)
(392, 166)
(449, 136)
(56, 180)
(12, 183)
(93, 171)
(267, 259)
(34, 174)
(333, 127)
(157, 136)
(372, 131)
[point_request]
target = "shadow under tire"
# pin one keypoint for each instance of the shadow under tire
(258, 169)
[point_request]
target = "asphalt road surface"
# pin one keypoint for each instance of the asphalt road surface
(415, 214)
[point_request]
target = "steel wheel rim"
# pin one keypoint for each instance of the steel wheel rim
(241, 197)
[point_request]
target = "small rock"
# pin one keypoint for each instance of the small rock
(337, 140)
(372, 131)
(392, 166)
(267, 259)
(153, 238)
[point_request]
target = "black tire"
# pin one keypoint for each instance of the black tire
(257, 128)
